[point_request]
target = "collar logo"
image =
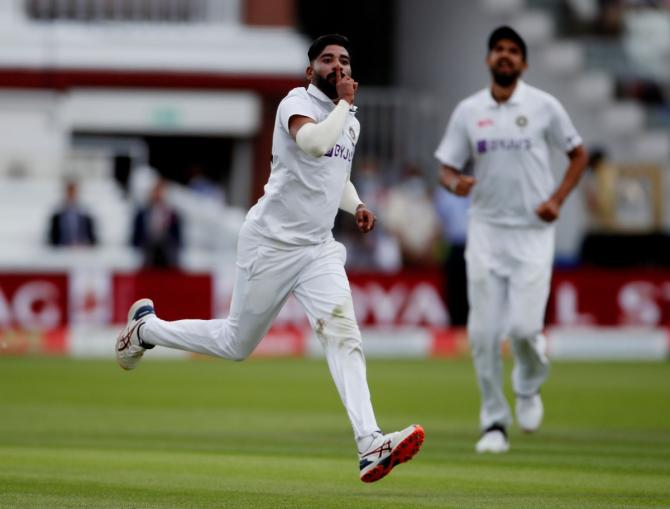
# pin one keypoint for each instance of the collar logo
(521, 121)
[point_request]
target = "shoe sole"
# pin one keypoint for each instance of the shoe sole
(492, 451)
(402, 452)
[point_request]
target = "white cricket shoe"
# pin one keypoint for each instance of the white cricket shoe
(129, 346)
(387, 451)
(494, 440)
(529, 412)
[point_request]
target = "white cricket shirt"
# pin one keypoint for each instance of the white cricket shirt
(508, 144)
(303, 193)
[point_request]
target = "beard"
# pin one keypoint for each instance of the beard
(505, 79)
(325, 85)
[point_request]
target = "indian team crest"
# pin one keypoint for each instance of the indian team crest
(352, 134)
(522, 121)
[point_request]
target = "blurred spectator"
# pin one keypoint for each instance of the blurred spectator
(647, 40)
(142, 180)
(367, 252)
(609, 19)
(600, 192)
(453, 213)
(157, 230)
(411, 218)
(599, 17)
(378, 250)
(643, 90)
(201, 184)
(370, 185)
(71, 225)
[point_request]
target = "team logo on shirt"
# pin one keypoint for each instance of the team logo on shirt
(340, 151)
(352, 134)
(503, 144)
(521, 121)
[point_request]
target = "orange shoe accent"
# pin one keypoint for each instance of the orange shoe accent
(403, 452)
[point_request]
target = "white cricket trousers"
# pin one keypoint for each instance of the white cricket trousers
(509, 274)
(266, 274)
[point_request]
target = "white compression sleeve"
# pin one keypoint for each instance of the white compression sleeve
(317, 139)
(350, 199)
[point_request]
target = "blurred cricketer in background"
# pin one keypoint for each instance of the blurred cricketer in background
(286, 247)
(506, 130)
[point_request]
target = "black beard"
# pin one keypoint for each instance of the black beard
(505, 80)
(325, 86)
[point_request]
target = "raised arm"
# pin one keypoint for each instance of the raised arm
(316, 139)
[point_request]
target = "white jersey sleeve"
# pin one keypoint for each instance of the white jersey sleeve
(562, 132)
(296, 103)
(454, 149)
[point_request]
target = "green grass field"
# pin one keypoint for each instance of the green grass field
(273, 434)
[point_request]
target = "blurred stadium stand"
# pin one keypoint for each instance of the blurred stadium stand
(86, 84)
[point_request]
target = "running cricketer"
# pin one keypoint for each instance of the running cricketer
(506, 131)
(286, 247)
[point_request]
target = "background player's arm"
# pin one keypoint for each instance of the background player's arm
(550, 209)
(454, 152)
(455, 182)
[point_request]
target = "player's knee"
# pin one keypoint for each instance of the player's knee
(239, 344)
(484, 347)
(481, 335)
(341, 331)
(240, 357)
(243, 347)
(523, 330)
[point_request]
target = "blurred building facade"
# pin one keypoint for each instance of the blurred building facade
(95, 89)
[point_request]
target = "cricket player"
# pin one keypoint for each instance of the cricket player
(506, 131)
(286, 247)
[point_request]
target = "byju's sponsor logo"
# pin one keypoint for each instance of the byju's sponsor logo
(342, 152)
(500, 144)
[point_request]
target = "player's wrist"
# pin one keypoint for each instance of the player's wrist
(452, 185)
(557, 199)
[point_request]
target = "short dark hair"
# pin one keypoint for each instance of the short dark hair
(506, 32)
(326, 40)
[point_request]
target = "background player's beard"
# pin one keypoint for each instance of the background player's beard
(506, 79)
(325, 86)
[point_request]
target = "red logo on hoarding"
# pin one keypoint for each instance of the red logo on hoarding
(33, 303)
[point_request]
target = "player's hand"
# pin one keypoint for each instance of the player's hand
(346, 87)
(462, 185)
(365, 219)
(549, 210)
